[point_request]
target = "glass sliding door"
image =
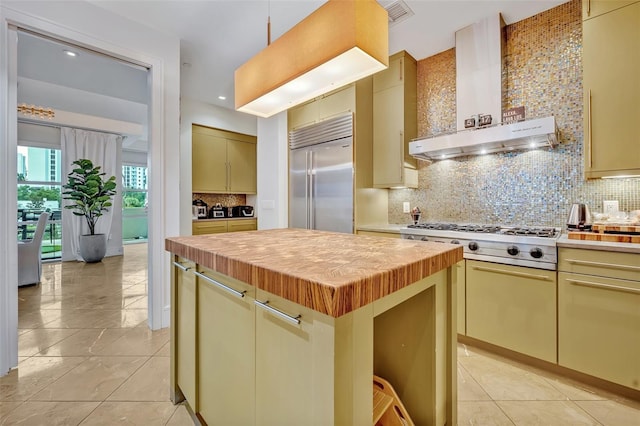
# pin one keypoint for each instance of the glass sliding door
(134, 203)
(40, 189)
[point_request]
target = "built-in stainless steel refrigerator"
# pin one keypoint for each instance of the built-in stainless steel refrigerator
(321, 176)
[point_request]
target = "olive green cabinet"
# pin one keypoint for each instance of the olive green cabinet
(513, 307)
(461, 294)
(395, 123)
(379, 234)
(223, 162)
(226, 349)
(599, 314)
(593, 8)
(284, 367)
(611, 66)
(183, 342)
(323, 107)
(219, 226)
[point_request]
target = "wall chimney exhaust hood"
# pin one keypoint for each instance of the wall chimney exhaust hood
(508, 137)
(479, 91)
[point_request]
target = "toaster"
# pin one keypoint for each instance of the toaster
(242, 211)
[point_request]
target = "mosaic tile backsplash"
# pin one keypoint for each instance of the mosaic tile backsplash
(533, 188)
(226, 200)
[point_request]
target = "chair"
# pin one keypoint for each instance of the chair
(29, 257)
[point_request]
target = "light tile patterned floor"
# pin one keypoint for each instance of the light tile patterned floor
(88, 358)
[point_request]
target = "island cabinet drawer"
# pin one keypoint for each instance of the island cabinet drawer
(599, 327)
(226, 349)
(184, 339)
(625, 266)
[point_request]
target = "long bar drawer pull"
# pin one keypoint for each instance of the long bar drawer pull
(220, 285)
(515, 274)
(284, 316)
(605, 286)
(604, 265)
(181, 266)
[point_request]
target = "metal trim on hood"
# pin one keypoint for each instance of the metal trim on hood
(515, 136)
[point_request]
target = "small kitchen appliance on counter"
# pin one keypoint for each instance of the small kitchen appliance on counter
(218, 212)
(579, 218)
(199, 209)
(242, 211)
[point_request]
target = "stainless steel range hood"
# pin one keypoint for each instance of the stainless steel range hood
(509, 137)
(479, 91)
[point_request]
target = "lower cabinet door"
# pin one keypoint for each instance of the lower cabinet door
(186, 332)
(461, 297)
(284, 364)
(226, 350)
(599, 327)
(513, 307)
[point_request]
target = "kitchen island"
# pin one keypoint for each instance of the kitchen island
(289, 326)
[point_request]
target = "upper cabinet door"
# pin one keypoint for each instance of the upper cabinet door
(611, 66)
(209, 157)
(593, 8)
(223, 162)
(392, 76)
(241, 158)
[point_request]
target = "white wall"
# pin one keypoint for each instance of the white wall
(273, 165)
(195, 112)
(88, 25)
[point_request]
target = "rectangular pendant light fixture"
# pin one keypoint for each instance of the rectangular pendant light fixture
(341, 42)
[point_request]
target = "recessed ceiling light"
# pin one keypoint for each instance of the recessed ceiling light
(483, 152)
(70, 53)
(222, 98)
(532, 145)
(443, 156)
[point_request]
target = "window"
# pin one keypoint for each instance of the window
(134, 203)
(39, 189)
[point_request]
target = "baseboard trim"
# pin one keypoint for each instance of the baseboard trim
(559, 370)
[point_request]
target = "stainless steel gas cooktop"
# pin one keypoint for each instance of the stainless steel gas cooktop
(533, 247)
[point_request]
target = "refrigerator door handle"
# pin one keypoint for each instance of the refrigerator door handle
(312, 195)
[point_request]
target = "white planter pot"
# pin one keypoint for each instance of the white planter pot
(93, 247)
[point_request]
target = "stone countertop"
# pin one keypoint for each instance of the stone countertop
(564, 241)
(329, 272)
(381, 227)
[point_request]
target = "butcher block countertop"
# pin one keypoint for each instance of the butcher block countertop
(564, 241)
(329, 272)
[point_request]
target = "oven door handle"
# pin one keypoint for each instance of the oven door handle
(514, 273)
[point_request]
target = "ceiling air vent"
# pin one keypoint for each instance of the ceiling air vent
(398, 11)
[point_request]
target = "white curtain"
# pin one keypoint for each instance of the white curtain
(102, 149)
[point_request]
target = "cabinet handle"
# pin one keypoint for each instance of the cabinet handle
(181, 266)
(604, 265)
(590, 126)
(589, 8)
(401, 67)
(401, 156)
(265, 305)
(220, 285)
(229, 176)
(514, 273)
(604, 286)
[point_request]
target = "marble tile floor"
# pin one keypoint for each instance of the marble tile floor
(87, 357)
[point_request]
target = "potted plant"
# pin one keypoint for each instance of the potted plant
(91, 196)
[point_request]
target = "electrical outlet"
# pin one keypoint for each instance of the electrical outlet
(406, 207)
(610, 206)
